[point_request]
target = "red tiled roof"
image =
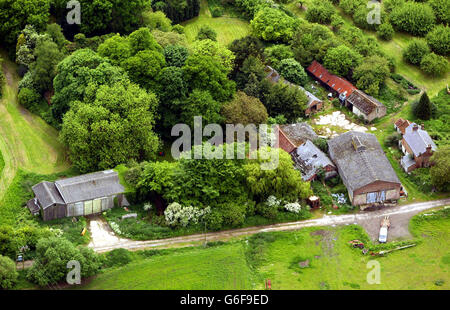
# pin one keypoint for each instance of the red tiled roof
(336, 83)
(402, 124)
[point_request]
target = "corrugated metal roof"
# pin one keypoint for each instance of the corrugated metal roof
(309, 158)
(338, 84)
(363, 167)
(89, 186)
(418, 140)
(47, 194)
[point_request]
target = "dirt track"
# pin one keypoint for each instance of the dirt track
(369, 220)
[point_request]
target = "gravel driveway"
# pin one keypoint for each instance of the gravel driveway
(103, 239)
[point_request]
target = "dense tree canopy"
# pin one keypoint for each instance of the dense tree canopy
(371, 74)
(434, 65)
(341, 60)
(271, 24)
(111, 126)
(244, 109)
(292, 71)
(283, 182)
(415, 51)
(320, 11)
(16, 14)
(82, 70)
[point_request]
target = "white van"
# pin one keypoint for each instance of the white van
(383, 234)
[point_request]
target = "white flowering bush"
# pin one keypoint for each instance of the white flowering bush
(294, 207)
(273, 201)
(115, 227)
(56, 232)
(178, 215)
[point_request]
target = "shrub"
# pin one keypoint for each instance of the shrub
(206, 32)
(178, 29)
(439, 40)
(52, 256)
(322, 144)
(118, 257)
(177, 215)
(423, 108)
(385, 31)
(415, 18)
(434, 65)
(392, 139)
(320, 12)
(415, 51)
(8, 273)
(29, 98)
(292, 71)
(216, 11)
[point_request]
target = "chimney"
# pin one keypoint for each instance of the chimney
(429, 148)
(422, 126)
(415, 127)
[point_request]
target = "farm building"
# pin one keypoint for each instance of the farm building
(82, 195)
(292, 136)
(417, 146)
(339, 86)
(308, 158)
(364, 168)
(364, 105)
(355, 100)
(314, 104)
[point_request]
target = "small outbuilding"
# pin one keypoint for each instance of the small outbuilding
(364, 105)
(292, 136)
(78, 196)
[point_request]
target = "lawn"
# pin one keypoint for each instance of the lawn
(333, 264)
(228, 28)
(221, 267)
(26, 141)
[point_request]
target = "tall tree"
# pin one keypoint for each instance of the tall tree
(423, 108)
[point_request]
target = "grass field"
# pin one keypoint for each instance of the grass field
(333, 264)
(26, 141)
(228, 28)
(221, 267)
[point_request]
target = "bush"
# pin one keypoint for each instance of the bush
(434, 65)
(320, 12)
(385, 31)
(322, 144)
(29, 98)
(8, 273)
(206, 32)
(415, 18)
(292, 71)
(216, 12)
(52, 256)
(439, 40)
(415, 51)
(392, 139)
(178, 29)
(118, 257)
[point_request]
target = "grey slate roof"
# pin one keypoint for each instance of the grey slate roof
(418, 140)
(298, 133)
(47, 194)
(274, 76)
(309, 158)
(360, 167)
(89, 186)
(407, 162)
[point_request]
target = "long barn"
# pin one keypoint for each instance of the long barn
(78, 196)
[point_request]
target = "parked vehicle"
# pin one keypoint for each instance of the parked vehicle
(385, 224)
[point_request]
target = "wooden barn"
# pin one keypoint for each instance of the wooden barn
(364, 168)
(78, 196)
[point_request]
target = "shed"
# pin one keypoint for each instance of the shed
(82, 195)
(292, 136)
(364, 105)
